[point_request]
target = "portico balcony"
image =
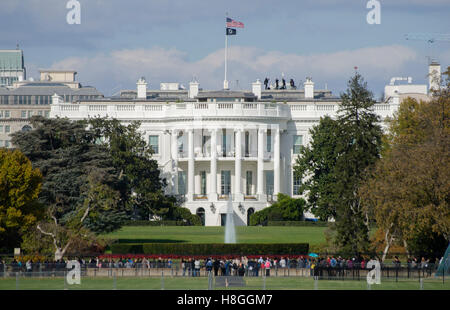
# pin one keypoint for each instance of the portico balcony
(172, 110)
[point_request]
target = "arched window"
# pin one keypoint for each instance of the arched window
(250, 211)
(26, 128)
(201, 213)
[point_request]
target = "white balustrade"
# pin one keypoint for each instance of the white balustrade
(308, 110)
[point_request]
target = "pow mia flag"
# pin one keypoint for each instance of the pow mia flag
(231, 32)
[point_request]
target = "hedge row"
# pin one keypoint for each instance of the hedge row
(211, 249)
(156, 223)
(297, 223)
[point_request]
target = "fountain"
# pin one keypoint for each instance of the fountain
(230, 233)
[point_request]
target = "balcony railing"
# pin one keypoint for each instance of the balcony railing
(170, 110)
(146, 110)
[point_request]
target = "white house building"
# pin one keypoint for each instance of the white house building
(210, 144)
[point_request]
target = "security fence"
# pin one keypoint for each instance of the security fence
(166, 274)
(322, 270)
(64, 280)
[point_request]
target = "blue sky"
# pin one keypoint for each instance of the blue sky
(173, 40)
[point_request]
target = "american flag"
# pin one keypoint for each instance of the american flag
(234, 24)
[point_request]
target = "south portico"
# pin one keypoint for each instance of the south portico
(211, 161)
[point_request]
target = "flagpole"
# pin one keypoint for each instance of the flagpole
(225, 81)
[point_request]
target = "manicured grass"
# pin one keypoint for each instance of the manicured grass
(201, 283)
(200, 234)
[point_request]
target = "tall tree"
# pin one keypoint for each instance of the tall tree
(20, 185)
(361, 140)
(333, 165)
(408, 191)
(138, 172)
(315, 166)
(78, 174)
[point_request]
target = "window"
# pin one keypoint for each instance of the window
(47, 113)
(30, 113)
(1, 143)
(226, 182)
(7, 128)
(40, 113)
(249, 181)
(224, 142)
(297, 145)
(26, 128)
(247, 144)
(182, 183)
(7, 114)
(269, 182)
(1, 128)
(7, 144)
(296, 183)
(250, 211)
(269, 141)
(205, 144)
(180, 142)
(203, 183)
(24, 114)
(201, 213)
(154, 143)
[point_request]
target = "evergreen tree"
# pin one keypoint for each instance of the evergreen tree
(77, 174)
(361, 137)
(315, 166)
(333, 165)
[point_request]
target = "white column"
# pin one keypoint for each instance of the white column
(175, 161)
(260, 172)
(213, 180)
(191, 165)
(276, 163)
(238, 196)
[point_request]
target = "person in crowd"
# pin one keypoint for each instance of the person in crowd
(216, 266)
(266, 83)
(267, 266)
(209, 265)
(241, 270)
(196, 267)
(184, 266)
(292, 83)
(282, 263)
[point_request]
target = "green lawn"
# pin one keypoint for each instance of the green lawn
(201, 234)
(156, 283)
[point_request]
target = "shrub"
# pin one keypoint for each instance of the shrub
(297, 223)
(285, 209)
(162, 223)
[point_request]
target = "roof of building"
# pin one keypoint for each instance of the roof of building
(287, 95)
(225, 94)
(11, 60)
(49, 89)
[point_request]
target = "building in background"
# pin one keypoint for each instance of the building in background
(25, 98)
(12, 67)
(396, 92)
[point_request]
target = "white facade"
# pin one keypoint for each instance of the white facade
(221, 143)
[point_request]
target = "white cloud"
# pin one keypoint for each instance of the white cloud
(124, 67)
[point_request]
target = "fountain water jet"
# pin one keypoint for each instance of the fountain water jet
(230, 233)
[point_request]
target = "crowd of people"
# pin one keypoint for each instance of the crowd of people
(238, 266)
(277, 85)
